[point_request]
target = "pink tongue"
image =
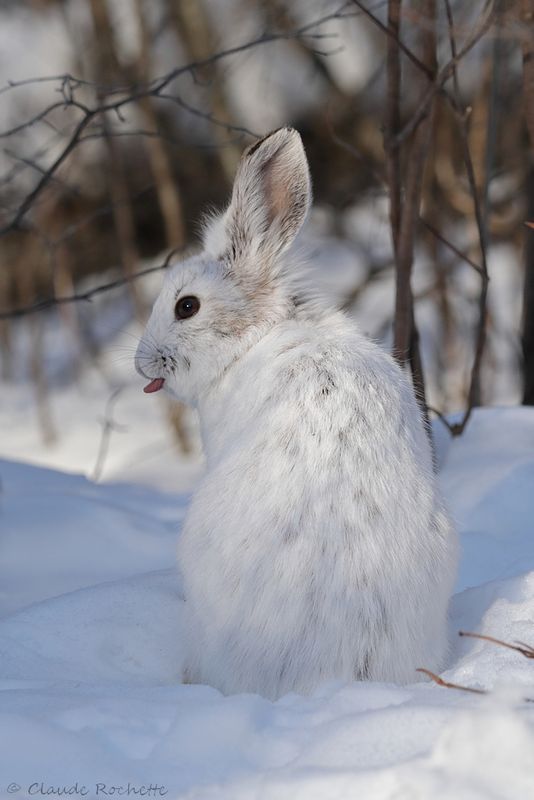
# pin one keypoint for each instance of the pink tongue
(155, 385)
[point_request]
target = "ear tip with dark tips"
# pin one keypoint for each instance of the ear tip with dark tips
(287, 129)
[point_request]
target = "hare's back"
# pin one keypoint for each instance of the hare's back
(333, 382)
(331, 406)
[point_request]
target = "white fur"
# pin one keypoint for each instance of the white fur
(316, 547)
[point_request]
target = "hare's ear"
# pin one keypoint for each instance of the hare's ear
(270, 200)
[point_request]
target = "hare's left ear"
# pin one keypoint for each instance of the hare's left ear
(270, 200)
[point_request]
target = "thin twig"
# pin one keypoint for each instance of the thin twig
(391, 30)
(379, 177)
(437, 82)
(438, 85)
(525, 650)
(405, 334)
(84, 296)
(108, 426)
(520, 647)
(450, 246)
(135, 92)
(47, 175)
(448, 684)
(481, 230)
(392, 120)
(451, 427)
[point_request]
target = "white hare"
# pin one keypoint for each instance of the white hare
(316, 547)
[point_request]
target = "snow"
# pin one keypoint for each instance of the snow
(90, 640)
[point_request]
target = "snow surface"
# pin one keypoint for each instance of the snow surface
(90, 615)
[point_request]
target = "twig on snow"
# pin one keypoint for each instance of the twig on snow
(448, 684)
(525, 649)
(108, 426)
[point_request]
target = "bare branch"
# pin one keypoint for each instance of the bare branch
(129, 94)
(520, 647)
(108, 426)
(450, 246)
(525, 650)
(527, 17)
(437, 82)
(196, 112)
(47, 175)
(481, 230)
(441, 416)
(391, 30)
(444, 75)
(87, 296)
(448, 684)
(380, 179)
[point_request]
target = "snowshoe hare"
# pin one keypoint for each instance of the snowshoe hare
(316, 546)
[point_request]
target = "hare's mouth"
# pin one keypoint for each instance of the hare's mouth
(155, 385)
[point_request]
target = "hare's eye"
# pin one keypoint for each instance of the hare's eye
(186, 307)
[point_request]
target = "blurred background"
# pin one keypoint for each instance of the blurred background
(122, 122)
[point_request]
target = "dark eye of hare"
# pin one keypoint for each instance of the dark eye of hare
(186, 307)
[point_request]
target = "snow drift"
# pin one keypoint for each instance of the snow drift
(90, 654)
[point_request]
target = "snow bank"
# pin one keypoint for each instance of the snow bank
(90, 655)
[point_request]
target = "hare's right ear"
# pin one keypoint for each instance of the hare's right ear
(270, 200)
